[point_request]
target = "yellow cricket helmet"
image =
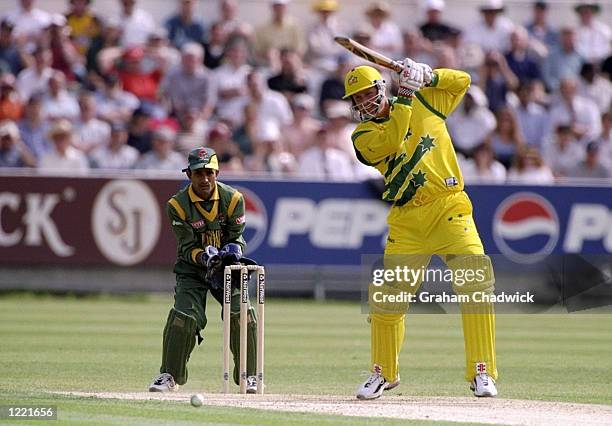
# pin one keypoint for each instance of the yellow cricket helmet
(360, 78)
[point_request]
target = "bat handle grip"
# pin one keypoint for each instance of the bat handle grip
(397, 66)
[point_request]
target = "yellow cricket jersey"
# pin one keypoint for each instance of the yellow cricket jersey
(412, 148)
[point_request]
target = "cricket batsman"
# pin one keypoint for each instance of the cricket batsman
(207, 218)
(406, 140)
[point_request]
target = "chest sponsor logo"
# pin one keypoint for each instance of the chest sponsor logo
(198, 224)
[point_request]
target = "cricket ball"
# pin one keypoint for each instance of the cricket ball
(197, 400)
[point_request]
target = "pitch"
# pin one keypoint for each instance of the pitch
(93, 358)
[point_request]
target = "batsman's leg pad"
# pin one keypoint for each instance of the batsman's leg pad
(251, 342)
(478, 317)
(179, 341)
(387, 337)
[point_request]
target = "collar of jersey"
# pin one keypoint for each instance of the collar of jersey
(193, 197)
(208, 215)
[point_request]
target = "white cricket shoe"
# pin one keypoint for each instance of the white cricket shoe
(163, 383)
(483, 386)
(373, 387)
(251, 386)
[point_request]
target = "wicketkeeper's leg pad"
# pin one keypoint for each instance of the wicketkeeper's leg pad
(251, 342)
(179, 341)
(478, 317)
(387, 337)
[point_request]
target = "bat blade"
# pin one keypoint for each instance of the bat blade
(368, 54)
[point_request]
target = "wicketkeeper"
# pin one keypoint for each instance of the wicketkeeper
(207, 218)
(406, 140)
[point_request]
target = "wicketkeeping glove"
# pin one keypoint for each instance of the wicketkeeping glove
(210, 258)
(410, 79)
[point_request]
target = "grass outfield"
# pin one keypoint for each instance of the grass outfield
(113, 344)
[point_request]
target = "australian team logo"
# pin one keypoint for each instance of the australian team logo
(256, 219)
(526, 227)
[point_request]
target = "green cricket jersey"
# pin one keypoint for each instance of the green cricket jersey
(198, 223)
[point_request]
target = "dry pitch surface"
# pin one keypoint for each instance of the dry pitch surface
(473, 410)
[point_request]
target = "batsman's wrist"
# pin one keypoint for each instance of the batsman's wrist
(404, 96)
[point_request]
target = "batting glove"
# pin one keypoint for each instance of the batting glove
(427, 73)
(410, 79)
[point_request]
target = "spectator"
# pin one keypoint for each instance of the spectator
(506, 139)
(292, 78)
(434, 29)
(471, 122)
(417, 47)
(539, 28)
(63, 157)
(139, 132)
(136, 24)
(230, 81)
(58, 102)
(270, 108)
(91, 133)
(605, 140)
(83, 23)
(113, 103)
(159, 53)
(134, 79)
(268, 155)
(245, 134)
(192, 131)
(492, 33)
(282, 32)
(29, 22)
(298, 134)
(190, 86)
(107, 40)
(592, 166)
(322, 50)
(323, 161)
(229, 23)
(183, 27)
(563, 151)
(340, 126)
(64, 55)
(34, 128)
(531, 116)
(228, 152)
(214, 47)
(581, 113)
(519, 58)
(13, 152)
(11, 107)
(564, 61)
(483, 167)
(11, 60)
(386, 35)
(116, 154)
(470, 56)
(332, 88)
(593, 37)
(529, 169)
(595, 87)
(35, 78)
(162, 155)
(497, 80)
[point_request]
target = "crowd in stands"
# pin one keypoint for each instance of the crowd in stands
(81, 92)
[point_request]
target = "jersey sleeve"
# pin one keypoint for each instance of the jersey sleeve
(373, 141)
(236, 221)
(188, 246)
(446, 91)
